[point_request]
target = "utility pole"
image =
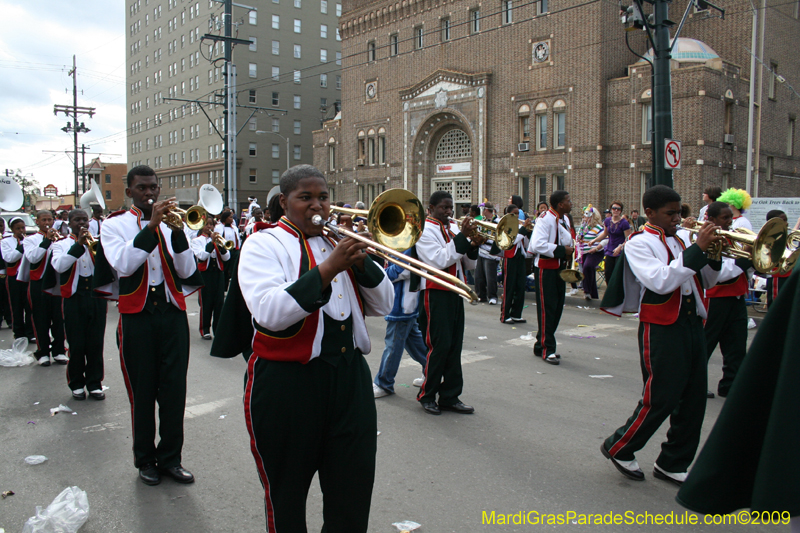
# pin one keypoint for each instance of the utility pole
(657, 25)
(83, 165)
(73, 111)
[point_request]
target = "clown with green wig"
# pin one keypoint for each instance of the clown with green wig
(739, 201)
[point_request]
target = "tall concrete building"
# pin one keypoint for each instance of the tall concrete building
(487, 99)
(287, 81)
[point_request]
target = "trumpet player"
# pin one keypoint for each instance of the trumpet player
(155, 271)
(661, 276)
(230, 232)
(552, 241)
(727, 311)
(84, 315)
(43, 294)
(211, 259)
(12, 251)
(777, 280)
(514, 273)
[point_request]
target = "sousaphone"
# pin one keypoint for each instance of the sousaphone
(11, 197)
(93, 196)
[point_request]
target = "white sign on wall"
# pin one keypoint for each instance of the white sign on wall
(446, 168)
(757, 214)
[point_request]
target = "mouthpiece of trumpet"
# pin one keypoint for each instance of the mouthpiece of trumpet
(317, 220)
(150, 201)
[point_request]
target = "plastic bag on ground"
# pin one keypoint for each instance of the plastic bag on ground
(35, 459)
(405, 525)
(18, 355)
(68, 512)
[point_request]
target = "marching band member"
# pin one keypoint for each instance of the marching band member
(552, 241)
(258, 216)
(97, 221)
(308, 400)
(211, 264)
(486, 266)
(662, 278)
(514, 274)
(727, 311)
(709, 195)
(84, 315)
(13, 251)
(777, 280)
(155, 271)
(230, 232)
(5, 301)
(739, 201)
(252, 207)
(45, 303)
(441, 319)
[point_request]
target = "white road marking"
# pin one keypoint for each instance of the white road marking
(596, 330)
(205, 408)
(102, 427)
(467, 357)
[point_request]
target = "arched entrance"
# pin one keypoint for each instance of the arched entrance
(446, 157)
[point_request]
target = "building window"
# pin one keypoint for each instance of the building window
(297, 26)
(541, 131)
(276, 73)
(298, 51)
(789, 137)
(323, 55)
(541, 189)
(508, 16)
(371, 51)
(394, 47)
(276, 125)
(275, 99)
(296, 76)
(770, 167)
(276, 177)
(371, 149)
(728, 126)
(773, 76)
(253, 70)
(276, 151)
(419, 34)
(338, 82)
(541, 7)
(647, 123)
(558, 182)
(475, 20)
(362, 147)
(296, 152)
(252, 17)
(276, 48)
(323, 7)
(253, 44)
(339, 58)
(252, 97)
(253, 149)
(381, 146)
(525, 129)
(323, 80)
(108, 178)
(339, 10)
(296, 128)
(445, 29)
(331, 154)
(560, 126)
(251, 125)
(276, 22)
(323, 31)
(253, 175)
(296, 103)
(298, 4)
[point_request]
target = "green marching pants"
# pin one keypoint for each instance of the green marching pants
(47, 320)
(211, 296)
(85, 327)
(727, 325)
(317, 417)
(675, 372)
(154, 355)
(550, 296)
(441, 322)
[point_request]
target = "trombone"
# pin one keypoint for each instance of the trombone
(572, 274)
(396, 219)
(766, 249)
(503, 233)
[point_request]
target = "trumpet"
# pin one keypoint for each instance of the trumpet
(503, 233)
(765, 249)
(220, 241)
(395, 219)
(92, 243)
(53, 235)
(175, 217)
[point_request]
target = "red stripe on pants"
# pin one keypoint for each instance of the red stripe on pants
(645, 399)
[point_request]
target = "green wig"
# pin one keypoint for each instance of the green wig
(738, 198)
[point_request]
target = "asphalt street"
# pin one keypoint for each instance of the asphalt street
(532, 444)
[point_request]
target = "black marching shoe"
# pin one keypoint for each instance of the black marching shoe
(458, 407)
(179, 474)
(97, 395)
(149, 474)
(709, 395)
(431, 408)
(78, 394)
(636, 475)
(553, 359)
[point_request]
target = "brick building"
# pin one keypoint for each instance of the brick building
(489, 99)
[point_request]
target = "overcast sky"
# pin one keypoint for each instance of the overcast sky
(36, 48)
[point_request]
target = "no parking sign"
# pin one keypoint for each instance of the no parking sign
(672, 154)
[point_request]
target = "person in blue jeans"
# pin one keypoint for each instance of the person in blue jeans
(402, 331)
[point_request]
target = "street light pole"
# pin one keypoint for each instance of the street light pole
(286, 139)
